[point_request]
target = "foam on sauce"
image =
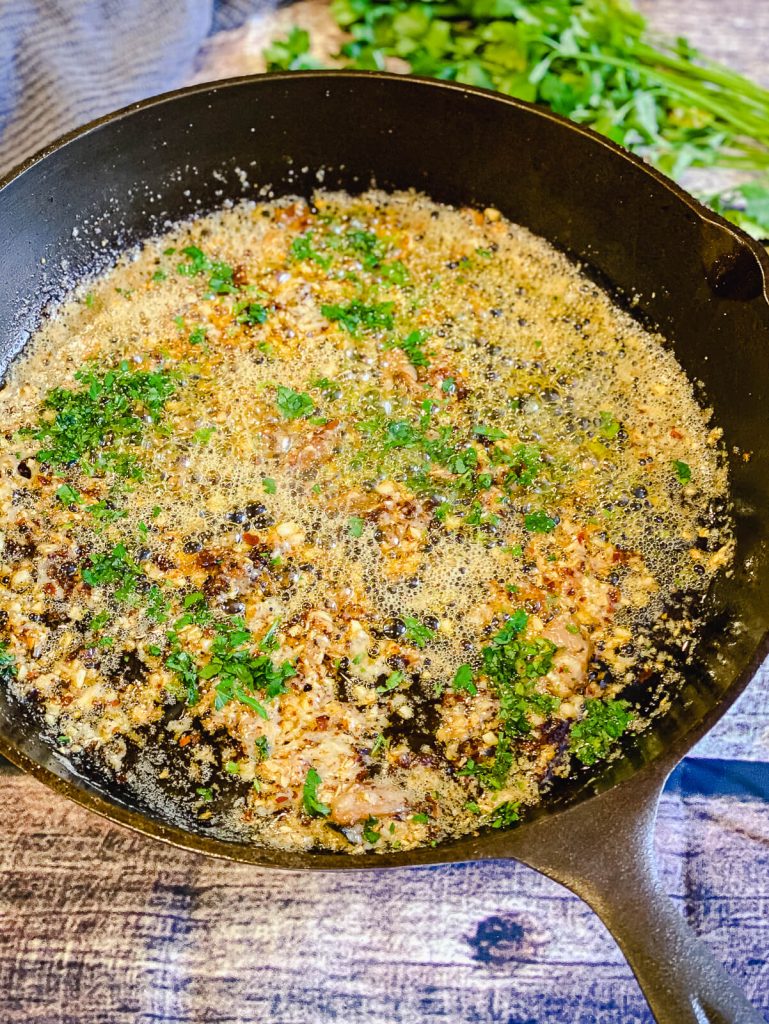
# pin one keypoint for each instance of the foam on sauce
(401, 508)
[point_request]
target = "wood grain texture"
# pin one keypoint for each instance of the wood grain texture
(100, 926)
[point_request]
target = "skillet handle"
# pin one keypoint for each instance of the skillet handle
(680, 978)
(602, 849)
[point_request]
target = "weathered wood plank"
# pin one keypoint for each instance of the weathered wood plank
(100, 925)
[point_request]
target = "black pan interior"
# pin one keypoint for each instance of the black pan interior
(682, 269)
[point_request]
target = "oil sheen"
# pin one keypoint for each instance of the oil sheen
(350, 524)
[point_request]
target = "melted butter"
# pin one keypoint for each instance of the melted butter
(350, 520)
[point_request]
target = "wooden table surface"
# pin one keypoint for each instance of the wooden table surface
(101, 926)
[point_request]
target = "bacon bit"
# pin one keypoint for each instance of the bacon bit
(187, 738)
(676, 434)
(252, 539)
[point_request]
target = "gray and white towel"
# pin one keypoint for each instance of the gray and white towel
(64, 62)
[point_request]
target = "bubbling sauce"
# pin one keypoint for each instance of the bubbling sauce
(349, 524)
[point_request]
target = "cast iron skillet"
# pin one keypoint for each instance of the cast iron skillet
(70, 208)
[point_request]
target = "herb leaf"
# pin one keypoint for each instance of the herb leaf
(312, 804)
(294, 404)
(463, 680)
(416, 632)
(356, 316)
(683, 471)
(110, 410)
(593, 736)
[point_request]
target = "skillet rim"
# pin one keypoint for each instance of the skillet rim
(648, 778)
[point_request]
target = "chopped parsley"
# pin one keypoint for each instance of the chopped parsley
(251, 313)
(203, 435)
(112, 567)
(463, 680)
(92, 424)
(312, 804)
(610, 425)
(416, 632)
(683, 471)
(392, 682)
(379, 743)
(355, 526)
(269, 485)
(105, 512)
(539, 522)
(594, 735)
(413, 346)
(7, 663)
(68, 495)
(491, 433)
(369, 833)
(356, 316)
(219, 274)
(302, 248)
(505, 815)
(514, 663)
(183, 665)
(293, 404)
(99, 621)
(240, 674)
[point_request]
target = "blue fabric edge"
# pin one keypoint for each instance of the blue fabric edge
(698, 776)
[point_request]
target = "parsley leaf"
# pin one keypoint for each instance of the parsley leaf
(356, 316)
(463, 680)
(593, 736)
(683, 471)
(505, 815)
(416, 632)
(68, 495)
(252, 314)
(293, 404)
(412, 345)
(355, 526)
(312, 804)
(610, 425)
(539, 522)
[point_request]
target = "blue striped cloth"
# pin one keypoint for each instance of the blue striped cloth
(64, 62)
